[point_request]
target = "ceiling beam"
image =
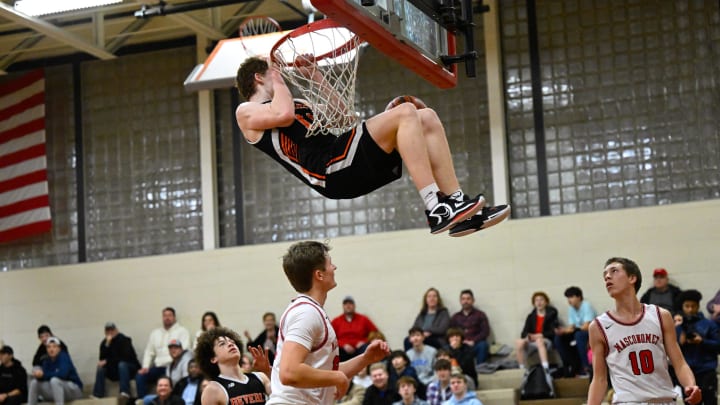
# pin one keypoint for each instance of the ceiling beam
(54, 32)
(197, 26)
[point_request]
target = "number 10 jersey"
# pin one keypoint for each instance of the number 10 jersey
(636, 357)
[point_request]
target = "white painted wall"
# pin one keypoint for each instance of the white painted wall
(386, 273)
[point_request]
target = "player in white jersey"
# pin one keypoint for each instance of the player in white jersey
(633, 342)
(307, 368)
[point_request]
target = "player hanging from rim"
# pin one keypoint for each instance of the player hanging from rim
(218, 354)
(633, 342)
(363, 159)
(307, 367)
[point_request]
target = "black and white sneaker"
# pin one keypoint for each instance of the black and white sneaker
(450, 211)
(488, 217)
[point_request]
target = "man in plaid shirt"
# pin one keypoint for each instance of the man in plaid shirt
(438, 391)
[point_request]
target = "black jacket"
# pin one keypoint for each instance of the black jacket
(373, 396)
(674, 292)
(12, 378)
(260, 340)
(182, 384)
(549, 324)
(120, 349)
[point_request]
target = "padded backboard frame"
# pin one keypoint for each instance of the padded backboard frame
(385, 32)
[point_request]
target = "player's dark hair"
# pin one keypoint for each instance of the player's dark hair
(631, 269)
(415, 329)
(440, 304)
(468, 292)
(245, 79)
(44, 329)
(171, 309)
(573, 292)
(301, 261)
(205, 349)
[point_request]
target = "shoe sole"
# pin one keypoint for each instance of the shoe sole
(496, 219)
(463, 215)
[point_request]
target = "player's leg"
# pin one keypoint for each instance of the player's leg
(438, 151)
(400, 128)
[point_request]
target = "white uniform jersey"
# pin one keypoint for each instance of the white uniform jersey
(306, 323)
(636, 358)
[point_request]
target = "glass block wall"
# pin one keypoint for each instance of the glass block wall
(278, 207)
(60, 245)
(142, 169)
(630, 98)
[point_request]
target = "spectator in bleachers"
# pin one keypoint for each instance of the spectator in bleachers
(538, 332)
(462, 353)
(380, 392)
(13, 378)
(208, 321)
(117, 362)
(422, 356)
(267, 338)
(363, 377)
(474, 324)
(400, 367)
(352, 330)
(188, 388)
(43, 333)
(699, 340)
(246, 363)
(164, 393)
(580, 314)
(56, 378)
(407, 388)
(713, 307)
(444, 354)
(662, 293)
(438, 391)
(433, 319)
(461, 394)
(354, 396)
(157, 356)
(178, 367)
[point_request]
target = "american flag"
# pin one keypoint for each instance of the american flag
(24, 200)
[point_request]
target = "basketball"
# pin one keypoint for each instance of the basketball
(419, 104)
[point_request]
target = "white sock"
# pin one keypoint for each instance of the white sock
(522, 367)
(429, 195)
(545, 365)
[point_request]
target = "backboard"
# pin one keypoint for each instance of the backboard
(402, 31)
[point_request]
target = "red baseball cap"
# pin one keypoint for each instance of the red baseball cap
(660, 272)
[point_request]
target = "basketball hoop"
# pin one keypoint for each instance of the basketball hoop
(254, 26)
(332, 50)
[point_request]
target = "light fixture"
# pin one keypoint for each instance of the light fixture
(42, 7)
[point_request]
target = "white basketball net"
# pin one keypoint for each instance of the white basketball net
(335, 50)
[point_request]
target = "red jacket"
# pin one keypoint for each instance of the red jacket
(353, 332)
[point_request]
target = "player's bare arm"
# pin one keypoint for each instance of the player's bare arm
(693, 395)
(376, 351)
(213, 394)
(295, 373)
(599, 383)
(254, 117)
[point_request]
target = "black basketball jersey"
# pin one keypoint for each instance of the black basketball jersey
(345, 166)
(251, 391)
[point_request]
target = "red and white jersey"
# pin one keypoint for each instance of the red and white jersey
(306, 323)
(636, 357)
